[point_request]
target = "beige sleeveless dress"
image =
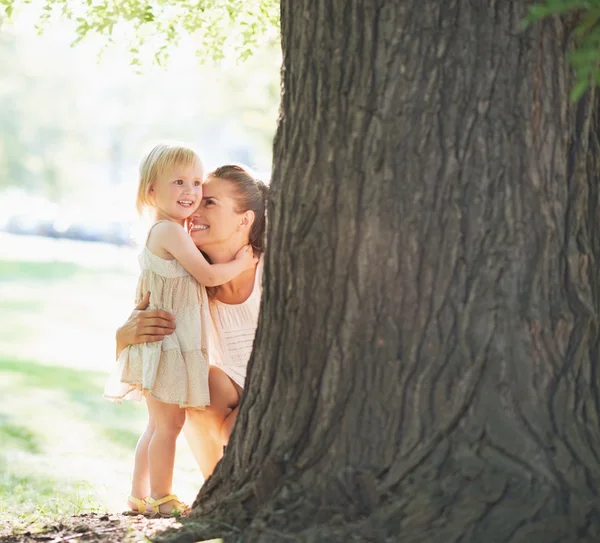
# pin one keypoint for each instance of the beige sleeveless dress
(174, 370)
(232, 331)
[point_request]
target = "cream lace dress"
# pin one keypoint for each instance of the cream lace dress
(174, 370)
(232, 331)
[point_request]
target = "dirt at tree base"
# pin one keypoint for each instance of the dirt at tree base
(92, 528)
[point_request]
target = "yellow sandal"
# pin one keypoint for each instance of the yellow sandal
(140, 503)
(155, 505)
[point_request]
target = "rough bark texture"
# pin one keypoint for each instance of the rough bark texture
(425, 368)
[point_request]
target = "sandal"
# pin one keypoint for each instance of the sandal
(154, 505)
(140, 504)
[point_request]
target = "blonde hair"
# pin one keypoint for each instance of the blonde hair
(161, 156)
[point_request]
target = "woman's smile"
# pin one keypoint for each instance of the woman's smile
(197, 225)
(223, 226)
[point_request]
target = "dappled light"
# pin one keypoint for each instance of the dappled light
(74, 122)
(365, 288)
(65, 449)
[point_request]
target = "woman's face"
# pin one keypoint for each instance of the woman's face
(216, 221)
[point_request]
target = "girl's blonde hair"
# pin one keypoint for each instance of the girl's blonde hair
(160, 157)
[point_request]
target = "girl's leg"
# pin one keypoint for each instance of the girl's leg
(140, 484)
(168, 421)
(203, 428)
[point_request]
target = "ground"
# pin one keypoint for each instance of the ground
(64, 450)
(90, 527)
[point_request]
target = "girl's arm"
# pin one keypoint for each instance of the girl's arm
(174, 239)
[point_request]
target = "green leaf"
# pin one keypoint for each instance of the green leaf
(579, 90)
(585, 53)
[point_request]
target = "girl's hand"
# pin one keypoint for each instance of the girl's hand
(144, 326)
(246, 255)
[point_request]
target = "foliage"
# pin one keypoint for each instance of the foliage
(84, 120)
(585, 55)
(220, 28)
(72, 128)
(239, 27)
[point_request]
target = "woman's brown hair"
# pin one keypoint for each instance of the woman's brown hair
(250, 195)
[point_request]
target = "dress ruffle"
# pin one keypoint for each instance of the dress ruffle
(174, 370)
(170, 376)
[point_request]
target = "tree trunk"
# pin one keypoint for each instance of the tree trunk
(425, 365)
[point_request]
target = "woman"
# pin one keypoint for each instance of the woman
(231, 215)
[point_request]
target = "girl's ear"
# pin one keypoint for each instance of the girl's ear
(151, 196)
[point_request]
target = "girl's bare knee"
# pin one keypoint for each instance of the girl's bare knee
(170, 423)
(150, 427)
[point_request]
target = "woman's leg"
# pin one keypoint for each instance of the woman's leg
(227, 426)
(200, 430)
(203, 429)
(229, 422)
(140, 484)
(168, 422)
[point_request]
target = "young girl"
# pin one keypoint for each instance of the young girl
(171, 374)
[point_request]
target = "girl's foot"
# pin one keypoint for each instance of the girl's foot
(168, 506)
(136, 505)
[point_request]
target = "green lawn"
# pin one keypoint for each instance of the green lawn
(63, 448)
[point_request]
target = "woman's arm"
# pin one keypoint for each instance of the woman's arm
(173, 239)
(144, 326)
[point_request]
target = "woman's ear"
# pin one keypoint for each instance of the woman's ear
(247, 219)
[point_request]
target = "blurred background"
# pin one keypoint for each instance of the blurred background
(74, 123)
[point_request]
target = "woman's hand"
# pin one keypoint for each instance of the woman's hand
(144, 326)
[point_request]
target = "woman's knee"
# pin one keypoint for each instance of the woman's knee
(227, 426)
(223, 393)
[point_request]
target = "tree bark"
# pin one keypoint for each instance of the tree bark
(425, 367)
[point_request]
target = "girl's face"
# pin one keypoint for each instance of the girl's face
(216, 221)
(177, 192)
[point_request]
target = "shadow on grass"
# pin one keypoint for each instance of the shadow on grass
(17, 436)
(14, 270)
(52, 271)
(25, 306)
(83, 388)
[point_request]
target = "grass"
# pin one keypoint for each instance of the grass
(37, 271)
(65, 450)
(18, 437)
